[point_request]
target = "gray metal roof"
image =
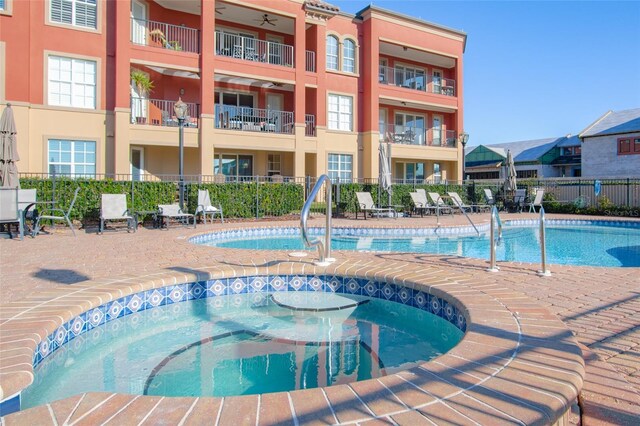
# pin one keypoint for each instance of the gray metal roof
(613, 123)
(569, 141)
(525, 150)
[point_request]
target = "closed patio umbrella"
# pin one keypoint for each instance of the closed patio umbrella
(8, 150)
(385, 168)
(510, 184)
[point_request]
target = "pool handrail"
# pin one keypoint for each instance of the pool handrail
(544, 272)
(494, 242)
(324, 249)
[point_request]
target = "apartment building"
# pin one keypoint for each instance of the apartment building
(272, 87)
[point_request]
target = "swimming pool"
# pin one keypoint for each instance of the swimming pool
(569, 242)
(241, 337)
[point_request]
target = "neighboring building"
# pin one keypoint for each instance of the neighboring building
(538, 158)
(287, 87)
(611, 145)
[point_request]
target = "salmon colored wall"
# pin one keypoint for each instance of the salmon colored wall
(155, 12)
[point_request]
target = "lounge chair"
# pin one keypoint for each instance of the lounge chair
(366, 205)
(488, 198)
(457, 202)
(420, 203)
(114, 208)
(439, 204)
(519, 200)
(9, 211)
(57, 215)
(537, 202)
(206, 208)
(167, 212)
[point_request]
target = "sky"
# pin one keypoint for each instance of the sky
(537, 69)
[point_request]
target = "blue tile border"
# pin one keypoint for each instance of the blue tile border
(171, 294)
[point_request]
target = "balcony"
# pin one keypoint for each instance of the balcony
(408, 135)
(310, 61)
(254, 50)
(159, 112)
(164, 36)
(254, 119)
(309, 125)
(416, 80)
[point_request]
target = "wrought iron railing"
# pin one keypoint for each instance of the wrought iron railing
(165, 36)
(310, 125)
(159, 112)
(252, 49)
(416, 80)
(254, 119)
(310, 61)
(409, 135)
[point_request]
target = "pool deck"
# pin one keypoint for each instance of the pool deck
(59, 276)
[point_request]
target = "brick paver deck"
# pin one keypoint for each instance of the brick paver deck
(601, 306)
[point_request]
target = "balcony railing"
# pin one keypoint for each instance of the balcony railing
(408, 135)
(252, 49)
(417, 80)
(254, 119)
(159, 112)
(165, 36)
(310, 61)
(309, 125)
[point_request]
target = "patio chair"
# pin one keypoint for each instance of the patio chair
(167, 212)
(537, 202)
(420, 203)
(9, 211)
(488, 198)
(114, 208)
(206, 208)
(27, 199)
(519, 200)
(457, 202)
(366, 205)
(439, 204)
(57, 215)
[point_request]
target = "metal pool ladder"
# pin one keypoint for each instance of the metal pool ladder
(545, 272)
(324, 249)
(495, 242)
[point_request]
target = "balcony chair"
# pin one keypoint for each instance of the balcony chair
(114, 208)
(206, 208)
(57, 215)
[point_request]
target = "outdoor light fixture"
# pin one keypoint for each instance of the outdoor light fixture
(181, 91)
(180, 109)
(463, 138)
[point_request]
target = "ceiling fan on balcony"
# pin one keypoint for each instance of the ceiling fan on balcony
(219, 8)
(266, 20)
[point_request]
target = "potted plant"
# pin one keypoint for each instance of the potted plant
(143, 85)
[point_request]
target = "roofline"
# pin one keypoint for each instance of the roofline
(610, 134)
(415, 20)
(581, 134)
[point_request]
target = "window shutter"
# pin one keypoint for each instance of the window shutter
(61, 11)
(86, 11)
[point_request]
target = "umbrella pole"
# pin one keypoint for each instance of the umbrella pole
(390, 181)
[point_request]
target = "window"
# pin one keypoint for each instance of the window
(233, 166)
(341, 167)
(2, 5)
(79, 13)
(349, 56)
(527, 174)
(410, 172)
(340, 112)
(72, 158)
(332, 53)
(409, 78)
(72, 82)
(437, 174)
(274, 165)
(627, 146)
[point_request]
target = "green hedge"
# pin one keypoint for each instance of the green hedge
(238, 199)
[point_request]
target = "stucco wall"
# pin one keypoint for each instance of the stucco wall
(600, 158)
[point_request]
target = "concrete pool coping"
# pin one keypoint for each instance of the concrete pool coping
(516, 363)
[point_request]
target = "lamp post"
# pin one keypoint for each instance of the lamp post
(463, 138)
(180, 109)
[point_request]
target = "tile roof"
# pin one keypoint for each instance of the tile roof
(614, 122)
(319, 4)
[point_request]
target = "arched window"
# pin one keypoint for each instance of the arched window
(332, 53)
(349, 56)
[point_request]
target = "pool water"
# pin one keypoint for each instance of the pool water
(590, 245)
(241, 344)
